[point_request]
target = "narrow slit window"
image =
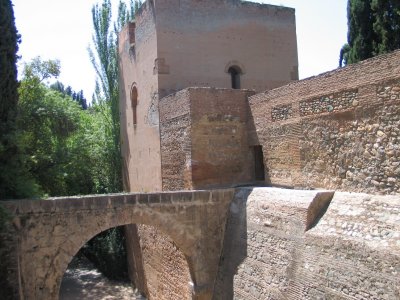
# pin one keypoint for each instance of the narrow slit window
(134, 97)
(235, 72)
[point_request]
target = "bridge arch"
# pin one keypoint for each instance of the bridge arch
(149, 235)
(69, 246)
(51, 232)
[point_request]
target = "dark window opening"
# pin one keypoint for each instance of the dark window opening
(134, 97)
(259, 170)
(235, 77)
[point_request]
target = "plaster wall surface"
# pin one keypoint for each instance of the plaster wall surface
(338, 130)
(199, 40)
(140, 140)
(288, 244)
(204, 143)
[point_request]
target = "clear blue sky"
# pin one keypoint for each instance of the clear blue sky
(62, 29)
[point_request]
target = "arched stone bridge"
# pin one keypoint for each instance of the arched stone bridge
(48, 233)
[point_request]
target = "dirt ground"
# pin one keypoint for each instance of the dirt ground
(83, 281)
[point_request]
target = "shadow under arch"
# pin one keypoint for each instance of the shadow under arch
(182, 242)
(148, 235)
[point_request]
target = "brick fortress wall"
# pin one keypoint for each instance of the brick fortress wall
(204, 139)
(339, 130)
(199, 40)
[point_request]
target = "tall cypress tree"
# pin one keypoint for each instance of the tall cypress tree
(8, 70)
(386, 17)
(8, 97)
(14, 179)
(8, 114)
(373, 29)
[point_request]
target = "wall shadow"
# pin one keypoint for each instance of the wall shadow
(235, 245)
(254, 142)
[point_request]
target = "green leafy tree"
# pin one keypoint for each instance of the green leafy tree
(373, 29)
(46, 122)
(77, 96)
(104, 57)
(65, 147)
(104, 60)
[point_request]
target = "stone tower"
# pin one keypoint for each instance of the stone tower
(175, 44)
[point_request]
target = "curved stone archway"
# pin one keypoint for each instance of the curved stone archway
(51, 232)
(155, 256)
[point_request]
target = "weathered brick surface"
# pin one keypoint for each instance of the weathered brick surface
(166, 269)
(176, 144)
(204, 143)
(277, 246)
(338, 130)
(177, 44)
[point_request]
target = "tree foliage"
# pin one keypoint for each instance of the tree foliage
(14, 179)
(65, 148)
(104, 58)
(373, 29)
(107, 250)
(68, 91)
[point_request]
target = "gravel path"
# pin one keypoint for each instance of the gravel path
(83, 281)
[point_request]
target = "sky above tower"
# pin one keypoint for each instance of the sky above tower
(62, 29)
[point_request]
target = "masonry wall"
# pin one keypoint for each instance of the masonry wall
(339, 130)
(204, 142)
(220, 152)
(176, 144)
(166, 270)
(281, 244)
(140, 140)
(198, 41)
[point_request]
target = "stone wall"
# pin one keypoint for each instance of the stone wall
(288, 244)
(176, 144)
(204, 139)
(177, 232)
(9, 266)
(339, 130)
(166, 270)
